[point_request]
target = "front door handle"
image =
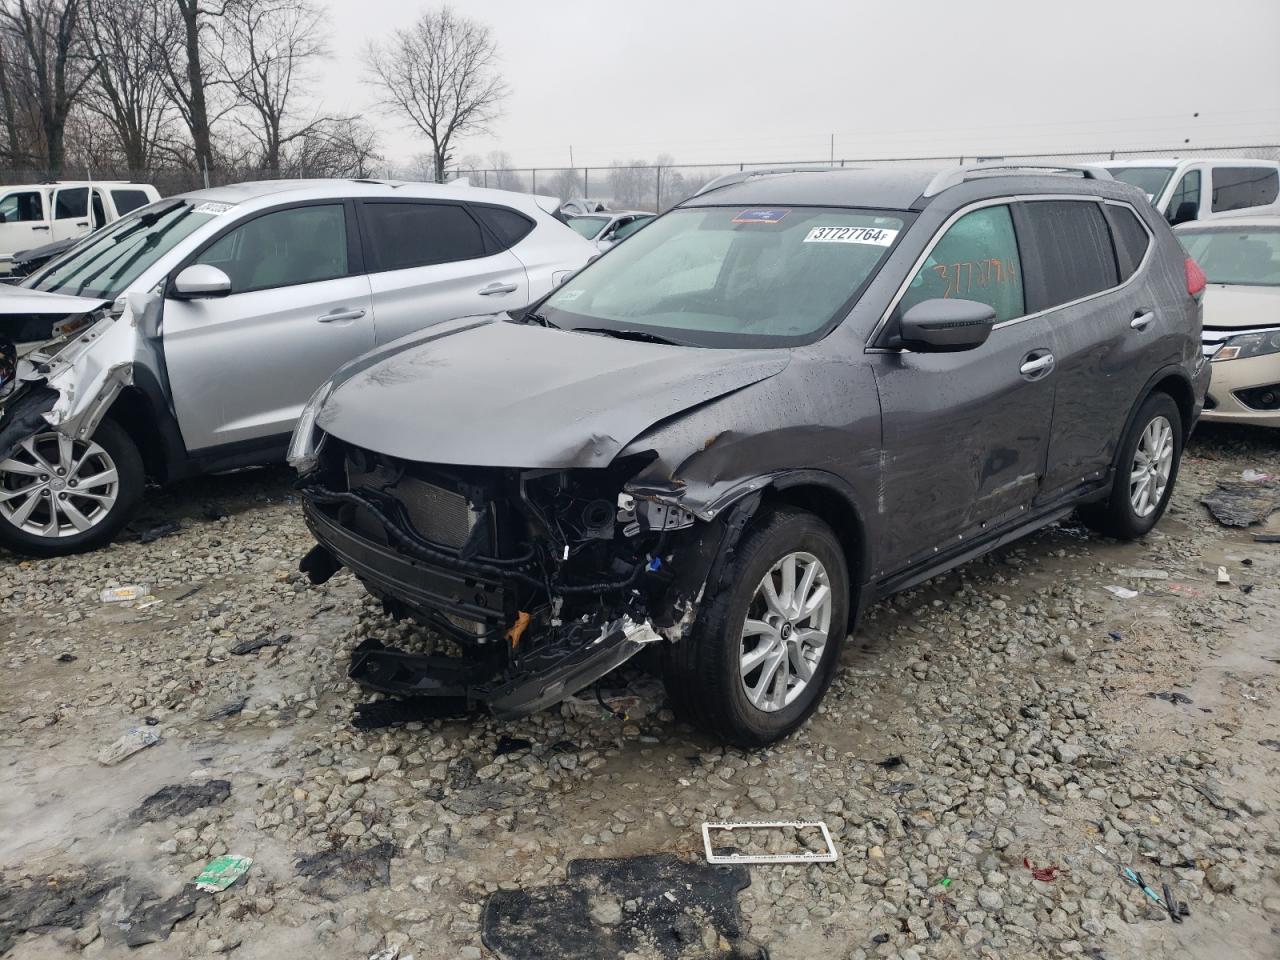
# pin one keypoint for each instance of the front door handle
(1141, 319)
(341, 315)
(497, 289)
(82, 223)
(45, 227)
(1036, 365)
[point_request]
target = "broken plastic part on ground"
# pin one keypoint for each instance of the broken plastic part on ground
(807, 848)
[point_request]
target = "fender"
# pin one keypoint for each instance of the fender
(1172, 370)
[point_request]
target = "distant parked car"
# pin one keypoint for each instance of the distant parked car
(1241, 259)
(37, 214)
(1204, 188)
(188, 336)
(606, 229)
(580, 205)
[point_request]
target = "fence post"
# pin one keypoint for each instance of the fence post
(486, 178)
(534, 187)
(657, 207)
(586, 181)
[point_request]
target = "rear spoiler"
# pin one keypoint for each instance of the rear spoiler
(549, 205)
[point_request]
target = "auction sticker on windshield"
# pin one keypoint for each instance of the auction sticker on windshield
(760, 216)
(877, 236)
(215, 207)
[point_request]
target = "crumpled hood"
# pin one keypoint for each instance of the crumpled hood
(21, 300)
(1232, 305)
(482, 392)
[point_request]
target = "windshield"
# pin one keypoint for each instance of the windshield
(627, 229)
(729, 276)
(587, 226)
(1150, 180)
(108, 262)
(1245, 257)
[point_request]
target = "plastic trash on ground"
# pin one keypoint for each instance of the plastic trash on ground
(133, 591)
(137, 738)
(222, 872)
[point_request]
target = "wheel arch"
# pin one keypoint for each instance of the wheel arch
(141, 412)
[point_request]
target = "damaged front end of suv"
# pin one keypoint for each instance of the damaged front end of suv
(551, 557)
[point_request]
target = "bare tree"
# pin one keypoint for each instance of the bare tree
(267, 47)
(188, 75)
(441, 75)
(344, 147)
(48, 42)
(504, 178)
(15, 147)
(128, 90)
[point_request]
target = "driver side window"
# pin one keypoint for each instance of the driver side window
(976, 259)
(282, 249)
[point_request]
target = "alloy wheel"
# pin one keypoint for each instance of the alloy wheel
(53, 486)
(786, 631)
(1152, 466)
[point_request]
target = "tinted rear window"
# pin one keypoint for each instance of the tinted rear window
(1069, 254)
(507, 225)
(1235, 188)
(403, 235)
(1130, 237)
(127, 201)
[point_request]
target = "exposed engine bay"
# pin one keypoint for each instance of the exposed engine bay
(545, 579)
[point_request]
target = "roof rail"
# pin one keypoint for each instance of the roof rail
(954, 176)
(743, 175)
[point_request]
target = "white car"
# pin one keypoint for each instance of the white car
(187, 337)
(606, 229)
(33, 215)
(1203, 188)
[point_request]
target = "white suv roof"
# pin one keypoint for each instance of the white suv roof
(318, 189)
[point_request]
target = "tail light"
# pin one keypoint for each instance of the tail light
(1196, 280)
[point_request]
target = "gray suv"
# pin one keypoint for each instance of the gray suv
(793, 394)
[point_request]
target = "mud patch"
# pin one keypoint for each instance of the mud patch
(336, 873)
(46, 903)
(177, 800)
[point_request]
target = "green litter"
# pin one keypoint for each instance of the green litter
(222, 872)
(945, 881)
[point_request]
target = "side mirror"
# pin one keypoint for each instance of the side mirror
(200, 280)
(1186, 212)
(945, 326)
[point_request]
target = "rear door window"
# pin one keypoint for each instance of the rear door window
(403, 235)
(1068, 251)
(1235, 188)
(1184, 205)
(976, 259)
(507, 225)
(71, 203)
(1131, 238)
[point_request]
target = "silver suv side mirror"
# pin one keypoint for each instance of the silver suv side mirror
(201, 280)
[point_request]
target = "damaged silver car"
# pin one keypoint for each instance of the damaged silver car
(186, 337)
(793, 394)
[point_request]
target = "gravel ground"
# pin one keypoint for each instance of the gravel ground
(1016, 691)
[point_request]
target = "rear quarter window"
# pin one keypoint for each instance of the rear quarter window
(1131, 238)
(127, 201)
(504, 223)
(1067, 251)
(1235, 188)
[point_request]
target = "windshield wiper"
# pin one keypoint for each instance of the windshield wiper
(540, 320)
(642, 335)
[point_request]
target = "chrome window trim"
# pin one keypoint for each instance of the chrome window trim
(1007, 201)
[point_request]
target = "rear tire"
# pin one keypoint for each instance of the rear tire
(751, 671)
(45, 520)
(1146, 471)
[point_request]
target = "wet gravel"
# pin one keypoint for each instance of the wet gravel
(1012, 716)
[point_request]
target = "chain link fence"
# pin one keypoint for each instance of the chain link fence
(620, 186)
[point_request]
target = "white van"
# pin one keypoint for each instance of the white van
(1203, 188)
(35, 214)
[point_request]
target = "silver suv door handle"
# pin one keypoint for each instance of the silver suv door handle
(341, 315)
(1039, 365)
(497, 288)
(1141, 320)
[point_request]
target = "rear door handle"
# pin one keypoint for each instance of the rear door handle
(341, 315)
(1140, 320)
(1036, 365)
(82, 223)
(497, 289)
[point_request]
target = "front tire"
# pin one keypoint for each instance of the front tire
(763, 651)
(60, 496)
(1146, 470)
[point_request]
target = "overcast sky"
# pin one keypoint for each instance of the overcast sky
(772, 80)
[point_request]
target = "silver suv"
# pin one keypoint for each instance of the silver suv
(186, 337)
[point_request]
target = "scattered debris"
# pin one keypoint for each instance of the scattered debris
(192, 591)
(1171, 904)
(1270, 744)
(1254, 476)
(1130, 573)
(483, 797)
(671, 908)
(46, 902)
(179, 799)
(1171, 696)
(1124, 593)
(889, 763)
(1136, 878)
(1266, 538)
(377, 714)
(1242, 504)
(135, 591)
(155, 531)
(137, 738)
(718, 855)
(511, 745)
(67, 658)
(1043, 874)
(338, 872)
(1223, 576)
(249, 646)
(1246, 588)
(228, 709)
(222, 872)
(944, 882)
(153, 922)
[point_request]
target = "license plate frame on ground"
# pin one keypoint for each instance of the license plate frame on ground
(830, 856)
